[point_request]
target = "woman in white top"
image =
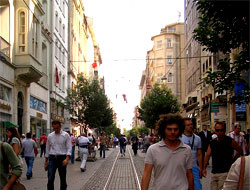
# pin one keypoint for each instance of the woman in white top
(83, 142)
(234, 174)
(14, 140)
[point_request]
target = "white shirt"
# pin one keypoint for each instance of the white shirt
(83, 140)
(240, 140)
(58, 144)
(205, 133)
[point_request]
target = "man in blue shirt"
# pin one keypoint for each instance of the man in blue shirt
(194, 141)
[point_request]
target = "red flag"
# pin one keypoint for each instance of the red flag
(94, 65)
(124, 97)
(57, 76)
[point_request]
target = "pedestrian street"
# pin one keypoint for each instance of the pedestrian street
(97, 175)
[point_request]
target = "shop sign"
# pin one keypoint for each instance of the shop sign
(240, 112)
(57, 118)
(215, 107)
(5, 106)
(39, 115)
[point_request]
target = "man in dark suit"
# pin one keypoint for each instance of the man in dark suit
(206, 137)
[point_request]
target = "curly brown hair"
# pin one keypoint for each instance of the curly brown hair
(167, 119)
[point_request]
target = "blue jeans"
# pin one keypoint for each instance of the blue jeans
(197, 182)
(122, 149)
(55, 162)
(72, 158)
(102, 150)
(146, 147)
(29, 162)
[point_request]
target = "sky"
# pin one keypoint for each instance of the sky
(123, 30)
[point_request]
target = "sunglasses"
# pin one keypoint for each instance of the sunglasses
(218, 130)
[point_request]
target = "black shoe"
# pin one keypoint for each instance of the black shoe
(28, 177)
(83, 170)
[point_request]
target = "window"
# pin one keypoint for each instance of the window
(63, 83)
(63, 8)
(5, 93)
(170, 77)
(63, 32)
(169, 43)
(63, 58)
(37, 104)
(60, 27)
(169, 60)
(35, 26)
(56, 21)
(60, 80)
(210, 61)
(159, 43)
(171, 29)
(22, 26)
(56, 49)
(203, 67)
(206, 64)
(60, 57)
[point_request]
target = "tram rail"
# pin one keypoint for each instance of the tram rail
(111, 174)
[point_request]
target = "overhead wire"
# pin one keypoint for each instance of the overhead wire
(117, 60)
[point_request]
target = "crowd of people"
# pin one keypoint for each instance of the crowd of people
(178, 154)
(181, 157)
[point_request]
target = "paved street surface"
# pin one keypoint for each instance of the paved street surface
(97, 173)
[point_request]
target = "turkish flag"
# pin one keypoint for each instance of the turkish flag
(124, 97)
(94, 65)
(57, 76)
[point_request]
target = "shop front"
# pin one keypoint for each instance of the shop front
(6, 108)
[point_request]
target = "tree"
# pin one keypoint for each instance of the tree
(159, 100)
(88, 104)
(224, 28)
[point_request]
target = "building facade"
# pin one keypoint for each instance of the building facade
(164, 64)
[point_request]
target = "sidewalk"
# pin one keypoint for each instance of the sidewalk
(76, 179)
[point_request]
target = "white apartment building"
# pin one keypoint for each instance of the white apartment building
(59, 56)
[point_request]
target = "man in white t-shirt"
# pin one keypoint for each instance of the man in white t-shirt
(170, 158)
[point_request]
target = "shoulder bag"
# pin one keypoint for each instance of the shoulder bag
(242, 173)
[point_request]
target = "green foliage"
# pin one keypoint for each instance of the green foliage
(139, 130)
(159, 100)
(224, 28)
(112, 130)
(88, 104)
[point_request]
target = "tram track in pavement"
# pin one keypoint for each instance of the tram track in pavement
(115, 173)
(123, 174)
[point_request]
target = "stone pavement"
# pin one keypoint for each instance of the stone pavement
(123, 176)
(76, 179)
(97, 173)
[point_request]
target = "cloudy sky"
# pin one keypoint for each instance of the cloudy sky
(123, 29)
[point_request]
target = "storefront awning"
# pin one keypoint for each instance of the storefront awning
(9, 124)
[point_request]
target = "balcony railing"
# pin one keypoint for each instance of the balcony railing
(4, 47)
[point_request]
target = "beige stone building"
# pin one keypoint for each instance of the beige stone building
(164, 63)
(84, 52)
(26, 42)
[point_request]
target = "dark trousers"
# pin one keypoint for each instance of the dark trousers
(55, 162)
(72, 158)
(43, 149)
(102, 150)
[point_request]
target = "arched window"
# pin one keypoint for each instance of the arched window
(170, 77)
(21, 31)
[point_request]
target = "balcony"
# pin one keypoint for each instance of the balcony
(4, 47)
(28, 68)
